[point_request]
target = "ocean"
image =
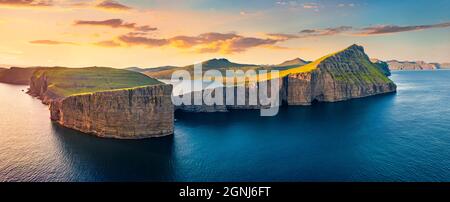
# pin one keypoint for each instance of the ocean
(403, 136)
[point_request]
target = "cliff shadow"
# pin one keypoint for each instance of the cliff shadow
(315, 112)
(101, 159)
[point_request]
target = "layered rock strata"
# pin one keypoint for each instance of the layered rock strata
(341, 76)
(126, 113)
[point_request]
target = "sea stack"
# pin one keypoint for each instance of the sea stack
(106, 102)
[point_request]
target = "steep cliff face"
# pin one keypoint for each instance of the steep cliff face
(383, 67)
(231, 102)
(126, 114)
(345, 75)
(341, 76)
(78, 102)
(39, 88)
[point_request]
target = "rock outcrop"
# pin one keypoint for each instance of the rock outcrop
(412, 65)
(383, 67)
(124, 113)
(345, 75)
(39, 88)
(341, 76)
(231, 102)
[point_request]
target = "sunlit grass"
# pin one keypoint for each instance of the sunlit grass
(73, 81)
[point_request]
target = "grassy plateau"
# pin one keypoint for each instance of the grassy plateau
(72, 81)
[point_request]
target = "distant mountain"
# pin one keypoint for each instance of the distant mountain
(135, 69)
(150, 69)
(411, 65)
(220, 64)
(445, 65)
(155, 69)
(295, 61)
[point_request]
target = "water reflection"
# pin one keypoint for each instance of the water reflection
(98, 159)
(393, 137)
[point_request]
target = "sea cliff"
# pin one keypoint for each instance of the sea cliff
(122, 110)
(123, 104)
(125, 113)
(344, 75)
(231, 102)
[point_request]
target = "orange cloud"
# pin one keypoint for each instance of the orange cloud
(211, 42)
(108, 43)
(324, 32)
(139, 40)
(205, 38)
(112, 5)
(387, 29)
(116, 23)
(108, 5)
(282, 36)
(51, 42)
(26, 3)
(367, 31)
(310, 5)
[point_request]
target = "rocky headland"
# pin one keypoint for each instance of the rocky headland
(106, 102)
(340, 76)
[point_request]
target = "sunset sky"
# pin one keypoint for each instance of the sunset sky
(149, 33)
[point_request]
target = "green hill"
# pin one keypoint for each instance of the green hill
(16, 75)
(221, 64)
(293, 62)
(64, 82)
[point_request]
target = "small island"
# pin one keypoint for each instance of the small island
(106, 102)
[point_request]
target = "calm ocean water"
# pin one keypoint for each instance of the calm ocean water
(396, 137)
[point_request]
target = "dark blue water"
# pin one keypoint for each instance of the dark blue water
(395, 137)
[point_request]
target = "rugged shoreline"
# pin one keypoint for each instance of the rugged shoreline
(136, 113)
(122, 104)
(345, 75)
(126, 113)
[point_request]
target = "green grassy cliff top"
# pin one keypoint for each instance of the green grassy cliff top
(71, 81)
